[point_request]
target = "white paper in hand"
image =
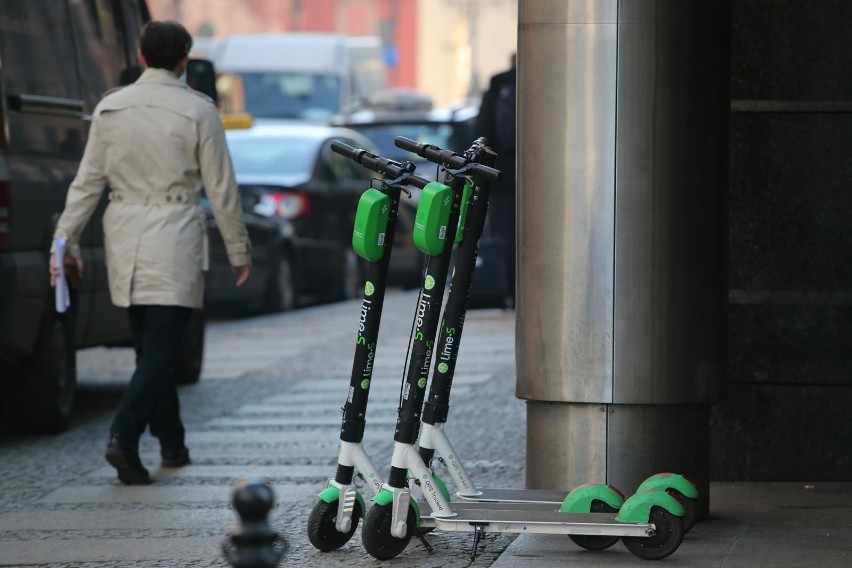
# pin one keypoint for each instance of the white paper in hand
(63, 297)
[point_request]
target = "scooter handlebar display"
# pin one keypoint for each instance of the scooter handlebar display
(380, 165)
(446, 157)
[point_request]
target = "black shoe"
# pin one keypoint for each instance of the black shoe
(175, 458)
(127, 462)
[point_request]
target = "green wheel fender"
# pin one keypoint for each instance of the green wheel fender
(665, 481)
(385, 497)
(332, 493)
(580, 499)
(637, 509)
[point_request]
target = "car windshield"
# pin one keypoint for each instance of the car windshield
(280, 95)
(443, 135)
(269, 155)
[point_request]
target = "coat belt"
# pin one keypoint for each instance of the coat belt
(151, 198)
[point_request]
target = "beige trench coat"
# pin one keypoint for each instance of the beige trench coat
(156, 144)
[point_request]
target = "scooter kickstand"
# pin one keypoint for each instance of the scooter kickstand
(429, 548)
(478, 531)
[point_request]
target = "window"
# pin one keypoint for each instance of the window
(101, 44)
(280, 95)
(37, 49)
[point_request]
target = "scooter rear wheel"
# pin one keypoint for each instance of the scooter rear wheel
(596, 542)
(667, 539)
(322, 531)
(376, 533)
(688, 507)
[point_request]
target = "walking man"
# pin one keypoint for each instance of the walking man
(156, 144)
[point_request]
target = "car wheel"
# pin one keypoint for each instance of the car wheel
(281, 288)
(39, 393)
(187, 369)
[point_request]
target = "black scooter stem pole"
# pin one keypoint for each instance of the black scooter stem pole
(355, 407)
(457, 169)
(427, 318)
(447, 347)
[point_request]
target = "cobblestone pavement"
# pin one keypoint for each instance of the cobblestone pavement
(268, 406)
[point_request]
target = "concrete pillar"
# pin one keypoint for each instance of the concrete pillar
(621, 287)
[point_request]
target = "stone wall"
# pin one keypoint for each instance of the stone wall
(787, 414)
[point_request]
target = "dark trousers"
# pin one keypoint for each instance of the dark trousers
(151, 398)
(501, 214)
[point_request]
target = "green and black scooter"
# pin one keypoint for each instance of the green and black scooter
(433, 439)
(649, 522)
(336, 515)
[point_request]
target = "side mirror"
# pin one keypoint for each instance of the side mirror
(201, 76)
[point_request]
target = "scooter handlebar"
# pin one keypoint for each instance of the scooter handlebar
(380, 165)
(447, 158)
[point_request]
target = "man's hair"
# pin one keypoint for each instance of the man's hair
(164, 44)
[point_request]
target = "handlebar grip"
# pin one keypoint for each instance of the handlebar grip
(432, 153)
(447, 158)
(345, 150)
(380, 165)
(407, 144)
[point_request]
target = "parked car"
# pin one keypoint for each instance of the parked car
(59, 56)
(299, 200)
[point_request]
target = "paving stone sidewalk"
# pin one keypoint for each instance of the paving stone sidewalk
(268, 406)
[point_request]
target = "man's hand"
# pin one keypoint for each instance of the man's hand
(71, 264)
(242, 272)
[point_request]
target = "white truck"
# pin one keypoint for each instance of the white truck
(297, 76)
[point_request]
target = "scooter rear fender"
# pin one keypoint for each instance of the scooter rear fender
(637, 509)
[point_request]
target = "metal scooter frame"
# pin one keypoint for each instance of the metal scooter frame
(352, 455)
(385, 538)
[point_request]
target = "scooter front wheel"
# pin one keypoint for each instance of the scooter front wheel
(376, 534)
(667, 538)
(596, 542)
(322, 531)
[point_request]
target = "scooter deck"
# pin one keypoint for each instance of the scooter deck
(500, 505)
(500, 495)
(426, 519)
(546, 522)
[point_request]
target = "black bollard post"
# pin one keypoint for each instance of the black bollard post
(252, 543)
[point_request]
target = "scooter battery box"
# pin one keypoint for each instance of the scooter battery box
(433, 214)
(371, 225)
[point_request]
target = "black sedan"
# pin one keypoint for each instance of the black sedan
(299, 200)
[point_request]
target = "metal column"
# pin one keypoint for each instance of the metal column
(621, 181)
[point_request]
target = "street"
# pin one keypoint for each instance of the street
(268, 406)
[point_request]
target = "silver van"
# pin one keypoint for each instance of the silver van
(58, 58)
(299, 76)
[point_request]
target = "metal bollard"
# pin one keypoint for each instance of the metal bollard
(253, 543)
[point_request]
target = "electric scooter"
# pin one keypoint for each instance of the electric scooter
(436, 409)
(336, 515)
(649, 522)
(601, 498)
